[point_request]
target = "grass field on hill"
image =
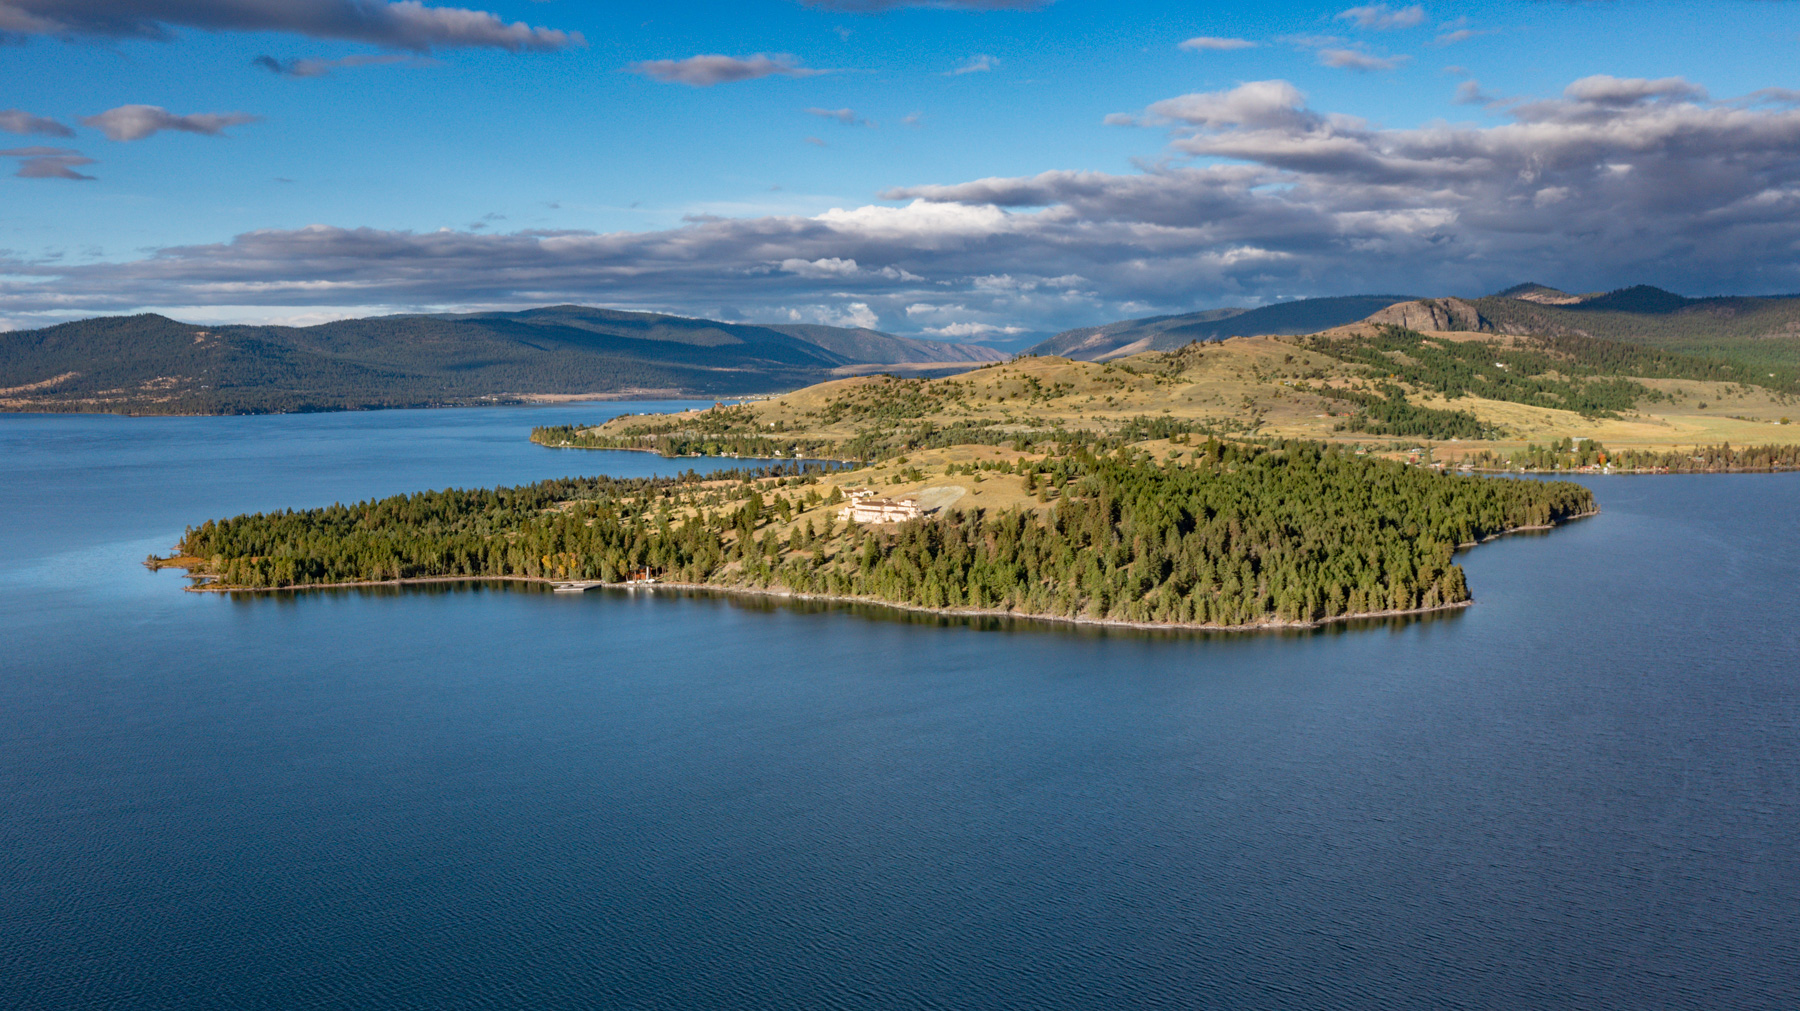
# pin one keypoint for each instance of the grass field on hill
(1344, 387)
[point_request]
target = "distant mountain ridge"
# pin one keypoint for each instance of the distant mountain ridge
(1165, 333)
(152, 364)
(1752, 329)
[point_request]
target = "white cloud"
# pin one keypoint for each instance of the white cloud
(1615, 91)
(48, 162)
(1212, 44)
(839, 267)
(927, 309)
(135, 122)
(1259, 103)
(853, 314)
(1354, 59)
(832, 266)
(1381, 17)
(980, 63)
(848, 117)
(20, 121)
(406, 24)
(707, 70)
(973, 330)
(1455, 35)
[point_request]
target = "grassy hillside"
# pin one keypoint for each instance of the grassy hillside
(1381, 388)
(152, 364)
(1165, 333)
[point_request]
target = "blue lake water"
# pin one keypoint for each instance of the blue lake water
(1582, 792)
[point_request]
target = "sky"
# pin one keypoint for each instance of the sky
(957, 169)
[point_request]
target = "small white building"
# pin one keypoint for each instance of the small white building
(867, 509)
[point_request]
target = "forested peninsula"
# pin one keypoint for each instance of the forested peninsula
(1254, 482)
(1212, 535)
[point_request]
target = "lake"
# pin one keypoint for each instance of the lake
(1584, 791)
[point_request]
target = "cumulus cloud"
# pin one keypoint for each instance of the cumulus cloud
(406, 24)
(20, 121)
(839, 267)
(966, 330)
(852, 314)
(135, 122)
(1615, 91)
(48, 162)
(1355, 59)
(980, 63)
(707, 70)
(1381, 17)
(1211, 44)
(322, 68)
(1259, 103)
(1613, 181)
(833, 266)
(857, 314)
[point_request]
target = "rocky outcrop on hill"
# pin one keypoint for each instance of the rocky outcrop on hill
(1439, 314)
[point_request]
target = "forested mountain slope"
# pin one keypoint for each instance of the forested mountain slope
(1754, 330)
(152, 364)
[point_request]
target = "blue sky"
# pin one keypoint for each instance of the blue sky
(585, 180)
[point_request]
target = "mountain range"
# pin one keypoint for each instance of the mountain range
(150, 364)
(153, 364)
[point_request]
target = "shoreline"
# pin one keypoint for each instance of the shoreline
(1533, 528)
(1270, 625)
(698, 456)
(1486, 471)
(1266, 625)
